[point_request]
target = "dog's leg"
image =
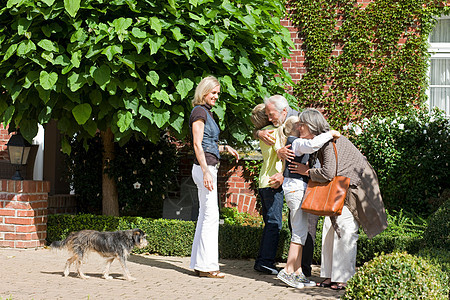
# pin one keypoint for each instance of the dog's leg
(123, 262)
(68, 263)
(79, 263)
(108, 265)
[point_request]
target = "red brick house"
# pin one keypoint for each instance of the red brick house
(234, 187)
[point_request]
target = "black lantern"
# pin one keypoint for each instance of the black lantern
(18, 150)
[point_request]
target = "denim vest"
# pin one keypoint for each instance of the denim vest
(210, 141)
(300, 159)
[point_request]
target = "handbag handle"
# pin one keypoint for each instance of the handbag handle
(335, 152)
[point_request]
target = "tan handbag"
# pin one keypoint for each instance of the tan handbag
(326, 198)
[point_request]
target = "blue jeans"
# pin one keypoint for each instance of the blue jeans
(272, 207)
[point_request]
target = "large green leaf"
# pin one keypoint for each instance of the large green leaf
(48, 80)
(184, 86)
(245, 66)
(155, 24)
(102, 76)
(82, 112)
(28, 129)
(26, 47)
(153, 77)
(125, 119)
(72, 7)
(11, 50)
(47, 45)
(161, 117)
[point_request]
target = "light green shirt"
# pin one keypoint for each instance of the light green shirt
(271, 164)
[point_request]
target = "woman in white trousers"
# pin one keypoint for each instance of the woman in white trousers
(205, 137)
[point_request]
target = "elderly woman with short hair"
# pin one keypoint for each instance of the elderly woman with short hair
(363, 204)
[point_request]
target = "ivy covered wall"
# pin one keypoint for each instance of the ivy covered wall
(355, 59)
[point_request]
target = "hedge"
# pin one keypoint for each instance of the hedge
(174, 237)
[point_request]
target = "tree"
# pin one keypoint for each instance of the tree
(129, 67)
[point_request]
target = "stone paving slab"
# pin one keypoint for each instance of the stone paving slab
(38, 274)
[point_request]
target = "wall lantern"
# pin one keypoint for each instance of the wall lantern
(18, 150)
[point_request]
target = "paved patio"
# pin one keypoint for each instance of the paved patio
(38, 274)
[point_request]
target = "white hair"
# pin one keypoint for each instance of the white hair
(278, 101)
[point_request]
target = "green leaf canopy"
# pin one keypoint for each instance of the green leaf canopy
(133, 65)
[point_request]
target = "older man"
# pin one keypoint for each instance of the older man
(271, 194)
(277, 111)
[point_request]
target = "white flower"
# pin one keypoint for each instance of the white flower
(401, 126)
(394, 122)
(424, 131)
(143, 160)
(345, 127)
(381, 121)
(357, 129)
(136, 185)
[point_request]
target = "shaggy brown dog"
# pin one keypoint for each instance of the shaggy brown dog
(111, 245)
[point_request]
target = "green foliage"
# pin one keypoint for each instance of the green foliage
(364, 60)
(410, 155)
(142, 170)
(437, 234)
(439, 257)
(133, 65)
(232, 216)
(167, 237)
(398, 276)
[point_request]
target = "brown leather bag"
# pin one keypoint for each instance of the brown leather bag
(326, 198)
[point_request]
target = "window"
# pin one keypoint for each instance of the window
(439, 89)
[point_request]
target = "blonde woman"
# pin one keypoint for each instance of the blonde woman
(205, 137)
(302, 143)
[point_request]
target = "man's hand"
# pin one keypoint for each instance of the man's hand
(275, 181)
(266, 137)
(286, 153)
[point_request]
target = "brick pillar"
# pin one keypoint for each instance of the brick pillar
(23, 213)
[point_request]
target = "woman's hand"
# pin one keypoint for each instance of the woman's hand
(266, 137)
(286, 153)
(335, 134)
(232, 151)
(299, 168)
(208, 180)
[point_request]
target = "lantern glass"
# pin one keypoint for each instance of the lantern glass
(18, 155)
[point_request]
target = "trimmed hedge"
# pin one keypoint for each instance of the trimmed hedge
(174, 237)
(398, 276)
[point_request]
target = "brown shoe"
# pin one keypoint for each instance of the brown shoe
(212, 274)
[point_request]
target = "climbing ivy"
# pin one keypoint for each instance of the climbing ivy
(364, 60)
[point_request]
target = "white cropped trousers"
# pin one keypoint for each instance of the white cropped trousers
(339, 254)
(205, 248)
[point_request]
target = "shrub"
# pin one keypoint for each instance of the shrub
(410, 154)
(168, 237)
(437, 234)
(398, 276)
(150, 166)
(232, 216)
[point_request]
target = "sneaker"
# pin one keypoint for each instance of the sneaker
(266, 269)
(301, 278)
(289, 279)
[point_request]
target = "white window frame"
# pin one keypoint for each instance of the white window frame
(437, 50)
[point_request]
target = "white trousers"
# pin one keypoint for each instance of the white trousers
(339, 254)
(205, 249)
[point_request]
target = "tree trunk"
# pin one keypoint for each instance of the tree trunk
(110, 198)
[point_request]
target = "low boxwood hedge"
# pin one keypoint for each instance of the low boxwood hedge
(174, 237)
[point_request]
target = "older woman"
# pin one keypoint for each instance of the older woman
(205, 136)
(363, 205)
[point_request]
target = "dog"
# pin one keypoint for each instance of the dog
(111, 245)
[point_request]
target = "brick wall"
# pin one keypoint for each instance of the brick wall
(23, 213)
(4, 138)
